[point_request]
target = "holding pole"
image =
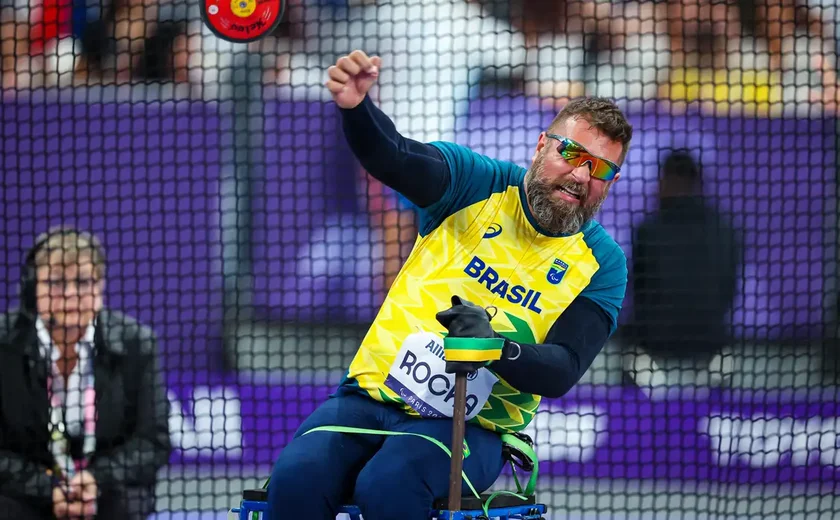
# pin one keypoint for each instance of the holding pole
(458, 426)
(469, 347)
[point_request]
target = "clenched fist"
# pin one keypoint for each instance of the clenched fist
(351, 77)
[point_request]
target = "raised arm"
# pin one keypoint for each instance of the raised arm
(416, 170)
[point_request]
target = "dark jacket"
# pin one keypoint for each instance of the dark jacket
(132, 434)
(685, 274)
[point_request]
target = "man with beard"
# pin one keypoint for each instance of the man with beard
(491, 235)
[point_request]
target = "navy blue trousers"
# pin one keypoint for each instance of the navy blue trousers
(389, 478)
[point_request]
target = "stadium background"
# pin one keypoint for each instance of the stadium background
(238, 225)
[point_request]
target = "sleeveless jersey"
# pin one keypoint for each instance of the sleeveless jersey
(480, 242)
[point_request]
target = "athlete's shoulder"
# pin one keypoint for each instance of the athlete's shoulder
(609, 283)
(602, 244)
(474, 177)
(461, 158)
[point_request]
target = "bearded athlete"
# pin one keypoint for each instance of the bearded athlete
(491, 234)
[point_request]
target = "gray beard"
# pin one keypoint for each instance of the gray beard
(556, 216)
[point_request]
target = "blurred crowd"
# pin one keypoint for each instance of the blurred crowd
(764, 52)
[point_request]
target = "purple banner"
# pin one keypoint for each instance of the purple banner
(603, 432)
(313, 249)
(146, 177)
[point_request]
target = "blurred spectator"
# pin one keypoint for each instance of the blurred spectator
(696, 34)
(83, 408)
(157, 60)
(14, 38)
(686, 258)
(699, 31)
(567, 41)
(291, 24)
(726, 52)
(780, 23)
(68, 42)
(30, 33)
(709, 29)
(556, 35)
(532, 17)
(126, 40)
(435, 52)
(49, 20)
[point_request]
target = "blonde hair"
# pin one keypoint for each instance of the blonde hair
(69, 246)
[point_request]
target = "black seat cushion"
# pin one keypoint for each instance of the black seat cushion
(472, 503)
(467, 502)
(256, 495)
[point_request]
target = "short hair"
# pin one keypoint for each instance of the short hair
(680, 164)
(604, 115)
(72, 245)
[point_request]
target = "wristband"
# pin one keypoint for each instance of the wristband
(473, 350)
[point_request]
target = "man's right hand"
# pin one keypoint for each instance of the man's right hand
(351, 77)
(67, 506)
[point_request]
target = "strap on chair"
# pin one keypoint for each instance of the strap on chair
(518, 449)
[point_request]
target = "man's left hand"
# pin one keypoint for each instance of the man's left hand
(466, 320)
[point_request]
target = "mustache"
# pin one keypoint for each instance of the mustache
(581, 190)
(547, 186)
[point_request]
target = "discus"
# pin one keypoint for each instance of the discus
(242, 21)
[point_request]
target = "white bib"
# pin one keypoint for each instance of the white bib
(418, 375)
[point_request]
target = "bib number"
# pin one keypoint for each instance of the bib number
(242, 21)
(418, 375)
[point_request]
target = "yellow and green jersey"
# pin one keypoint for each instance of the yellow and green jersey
(480, 242)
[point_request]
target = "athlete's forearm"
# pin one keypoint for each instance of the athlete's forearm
(552, 368)
(545, 369)
(416, 170)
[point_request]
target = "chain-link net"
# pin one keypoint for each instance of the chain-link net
(240, 230)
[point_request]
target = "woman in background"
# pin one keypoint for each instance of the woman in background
(83, 408)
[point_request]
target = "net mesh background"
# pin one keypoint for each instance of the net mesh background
(239, 227)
